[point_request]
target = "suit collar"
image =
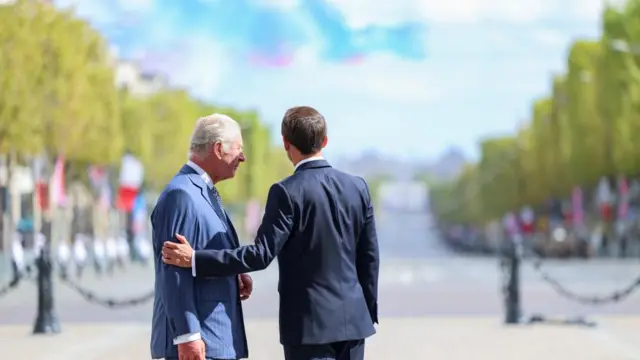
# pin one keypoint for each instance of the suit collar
(187, 170)
(313, 164)
(313, 158)
(199, 182)
(205, 177)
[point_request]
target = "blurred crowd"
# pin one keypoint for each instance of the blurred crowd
(608, 226)
(72, 258)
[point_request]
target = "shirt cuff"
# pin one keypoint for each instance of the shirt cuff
(193, 263)
(186, 338)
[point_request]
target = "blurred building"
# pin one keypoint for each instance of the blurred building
(16, 200)
(129, 76)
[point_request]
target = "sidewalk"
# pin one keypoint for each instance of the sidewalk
(422, 338)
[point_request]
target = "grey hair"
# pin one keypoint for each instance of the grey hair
(212, 129)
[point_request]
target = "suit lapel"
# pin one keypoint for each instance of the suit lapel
(204, 189)
(198, 182)
(206, 194)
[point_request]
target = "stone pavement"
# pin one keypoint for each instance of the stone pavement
(443, 338)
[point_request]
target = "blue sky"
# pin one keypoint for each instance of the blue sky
(405, 78)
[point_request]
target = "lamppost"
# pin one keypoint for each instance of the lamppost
(47, 319)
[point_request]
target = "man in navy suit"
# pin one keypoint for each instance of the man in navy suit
(196, 317)
(319, 223)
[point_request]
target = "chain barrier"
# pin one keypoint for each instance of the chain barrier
(92, 297)
(614, 297)
(12, 285)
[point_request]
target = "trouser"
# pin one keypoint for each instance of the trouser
(343, 350)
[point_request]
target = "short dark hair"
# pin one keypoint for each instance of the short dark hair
(305, 128)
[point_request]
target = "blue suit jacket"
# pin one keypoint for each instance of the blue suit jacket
(184, 304)
(320, 224)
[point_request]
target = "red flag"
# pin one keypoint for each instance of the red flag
(623, 203)
(58, 195)
(126, 198)
(131, 176)
(42, 194)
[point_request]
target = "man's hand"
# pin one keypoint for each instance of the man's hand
(177, 254)
(246, 286)
(193, 350)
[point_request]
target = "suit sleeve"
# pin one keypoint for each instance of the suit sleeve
(175, 214)
(277, 224)
(368, 258)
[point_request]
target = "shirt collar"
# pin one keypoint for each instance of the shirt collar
(205, 177)
(313, 158)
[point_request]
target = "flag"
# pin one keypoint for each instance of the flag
(623, 193)
(105, 196)
(527, 216)
(99, 178)
(57, 188)
(139, 212)
(577, 206)
(42, 194)
(604, 198)
(131, 176)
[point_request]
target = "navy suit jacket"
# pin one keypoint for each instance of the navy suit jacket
(184, 304)
(319, 223)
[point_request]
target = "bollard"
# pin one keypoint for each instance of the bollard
(47, 320)
(511, 269)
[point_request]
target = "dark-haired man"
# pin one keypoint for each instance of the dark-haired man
(319, 223)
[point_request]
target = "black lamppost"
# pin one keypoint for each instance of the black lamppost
(47, 319)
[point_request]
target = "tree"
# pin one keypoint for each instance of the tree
(20, 61)
(59, 98)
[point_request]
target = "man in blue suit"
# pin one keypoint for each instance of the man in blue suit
(319, 223)
(198, 317)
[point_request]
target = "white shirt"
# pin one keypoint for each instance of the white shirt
(185, 338)
(313, 158)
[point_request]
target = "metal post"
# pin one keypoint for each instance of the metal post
(128, 221)
(511, 269)
(47, 320)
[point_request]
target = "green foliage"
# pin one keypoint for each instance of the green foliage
(587, 128)
(59, 97)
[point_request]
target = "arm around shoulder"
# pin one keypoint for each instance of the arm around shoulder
(273, 233)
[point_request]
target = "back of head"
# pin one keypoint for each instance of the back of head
(304, 128)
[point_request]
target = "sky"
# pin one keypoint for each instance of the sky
(403, 78)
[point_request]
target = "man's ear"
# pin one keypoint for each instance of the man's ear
(286, 144)
(217, 150)
(325, 141)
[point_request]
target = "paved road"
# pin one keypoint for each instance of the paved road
(430, 301)
(415, 338)
(418, 278)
